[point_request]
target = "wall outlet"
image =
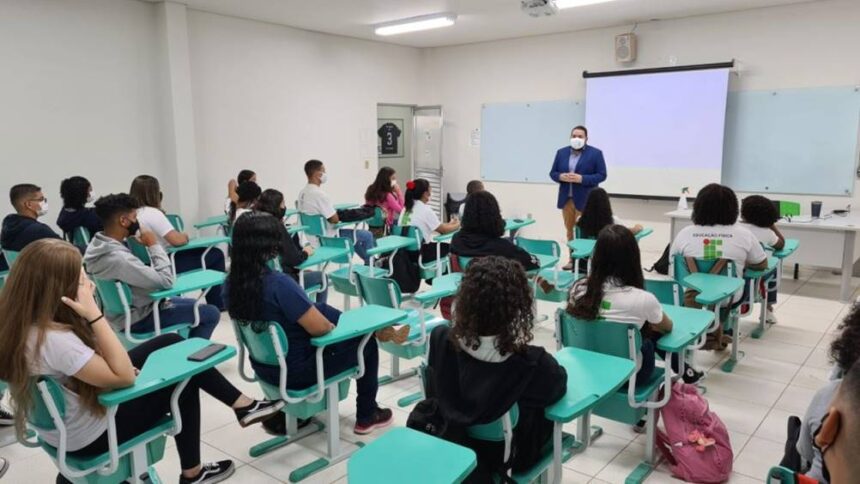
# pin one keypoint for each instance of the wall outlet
(366, 164)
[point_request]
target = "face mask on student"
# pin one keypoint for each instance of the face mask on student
(577, 143)
(323, 178)
(43, 209)
(91, 197)
(133, 228)
(393, 182)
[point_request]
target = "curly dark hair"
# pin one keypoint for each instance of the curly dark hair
(715, 204)
(482, 215)
(845, 350)
(256, 240)
(759, 211)
(596, 214)
(115, 205)
(270, 201)
(74, 192)
(494, 299)
(616, 256)
(381, 187)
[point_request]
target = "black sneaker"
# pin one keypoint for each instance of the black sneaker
(211, 472)
(692, 376)
(381, 418)
(639, 428)
(6, 418)
(277, 424)
(257, 411)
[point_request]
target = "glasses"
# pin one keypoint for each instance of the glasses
(43, 199)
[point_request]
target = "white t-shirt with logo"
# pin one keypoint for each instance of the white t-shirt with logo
(624, 304)
(424, 218)
(61, 356)
(712, 242)
(314, 201)
(154, 220)
(764, 234)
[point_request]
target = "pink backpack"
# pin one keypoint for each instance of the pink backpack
(696, 442)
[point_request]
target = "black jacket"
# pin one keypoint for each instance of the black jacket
(19, 231)
(70, 219)
(291, 254)
(471, 391)
(470, 244)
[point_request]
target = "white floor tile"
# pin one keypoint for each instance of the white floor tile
(774, 426)
(597, 456)
(758, 457)
(795, 399)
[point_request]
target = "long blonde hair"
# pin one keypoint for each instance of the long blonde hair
(45, 271)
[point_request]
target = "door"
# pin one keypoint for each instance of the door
(428, 151)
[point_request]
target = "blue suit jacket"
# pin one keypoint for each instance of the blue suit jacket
(590, 165)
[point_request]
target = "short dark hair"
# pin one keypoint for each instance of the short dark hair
(248, 191)
(18, 192)
(715, 204)
(74, 192)
(312, 166)
(845, 349)
(483, 216)
(583, 128)
(245, 175)
(113, 205)
(759, 211)
(474, 186)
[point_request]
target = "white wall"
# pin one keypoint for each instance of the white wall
(804, 45)
(80, 95)
(269, 98)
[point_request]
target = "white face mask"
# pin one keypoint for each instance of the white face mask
(91, 197)
(577, 143)
(43, 208)
(393, 183)
(323, 178)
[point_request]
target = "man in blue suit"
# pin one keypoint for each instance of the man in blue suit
(577, 169)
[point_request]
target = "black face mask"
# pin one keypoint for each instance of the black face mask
(824, 471)
(279, 214)
(133, 228)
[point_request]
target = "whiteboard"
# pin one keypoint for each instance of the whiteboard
(791, 141)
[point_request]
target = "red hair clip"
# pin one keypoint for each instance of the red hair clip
(410, 185)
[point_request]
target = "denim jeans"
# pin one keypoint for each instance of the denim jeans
(189, 260)
(363, 242)
(180, 310)
(313, 278)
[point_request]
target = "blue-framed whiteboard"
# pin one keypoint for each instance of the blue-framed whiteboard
(792, 141)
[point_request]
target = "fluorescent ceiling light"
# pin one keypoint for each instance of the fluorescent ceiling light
(415, 24)
(562, 4)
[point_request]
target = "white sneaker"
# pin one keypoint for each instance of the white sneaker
(770, 317)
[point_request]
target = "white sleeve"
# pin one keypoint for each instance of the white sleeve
(652, 311)
(157, 222)
(63, 352)
(772, 238)
(756, 252)
(325, 206)
(619, 221)
(432, 220)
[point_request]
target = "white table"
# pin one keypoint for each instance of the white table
(826, 242)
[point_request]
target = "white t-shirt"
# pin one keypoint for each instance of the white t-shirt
(61, 356)
(764, 234)
(424, 218)
(240, 212)
(712, 242)
(154, 220)
(314, 201)
(624, 304)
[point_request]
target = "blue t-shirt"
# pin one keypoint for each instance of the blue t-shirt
(285, 301)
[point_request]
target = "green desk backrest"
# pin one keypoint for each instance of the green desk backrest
(81, 237)
(668, 291)
(176, 221)
(316, 224)
(780, 475)
(256, 337)
(380, 291)
(494, 431)
(275, 264)
(110, 296)
(39, 416)
(139, 250)
(339, 243)
(788, 209)
(408, 231)
(681, 271)
(10, 255)
(378, 219)
(542, 247)
(607, 337)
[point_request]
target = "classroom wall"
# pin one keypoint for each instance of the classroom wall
(269, 98)
(80, 95)
(804, 45)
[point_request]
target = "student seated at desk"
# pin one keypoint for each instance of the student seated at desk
(474, 186)
(759, 216)
(23, 227)
(314, 201)
(147, 191)
(420, 215)
(838, 438)
(481, 366)
(597, 214)
(844, 352)
(233, 184)
(48, 310)
(615, 291)
(109, 258)
(483, 233)
(292, 254)
(257, 293)
(715, 227)
(246, 196)
(385, 193)
(76, 193)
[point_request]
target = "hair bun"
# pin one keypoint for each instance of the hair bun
(410, 185)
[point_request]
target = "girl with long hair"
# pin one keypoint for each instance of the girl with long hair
(385, 193)
(597, 214)
(51, 325)
(147, 191)
(418, 214)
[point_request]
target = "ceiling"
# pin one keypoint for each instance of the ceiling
(478, 20)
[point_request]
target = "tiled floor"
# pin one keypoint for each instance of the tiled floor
(777, 378)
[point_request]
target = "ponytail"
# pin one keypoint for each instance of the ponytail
(415, 189)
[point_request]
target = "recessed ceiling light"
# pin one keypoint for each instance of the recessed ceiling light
(562, 4)
(414, 24)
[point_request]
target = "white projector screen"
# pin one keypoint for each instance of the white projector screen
(659, 132)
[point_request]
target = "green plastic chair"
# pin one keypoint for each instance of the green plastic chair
(10, 255)
(138, 249)
(343, 278)
(435, 268)
(317, 225)
(780, 475)
(627, 406)
(81, 237)
(131, 461)
(385, 292)
(176, 221)
(562, 280)
(378, 220)
(667, 291)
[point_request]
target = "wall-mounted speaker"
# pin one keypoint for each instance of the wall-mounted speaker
(625, 47)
